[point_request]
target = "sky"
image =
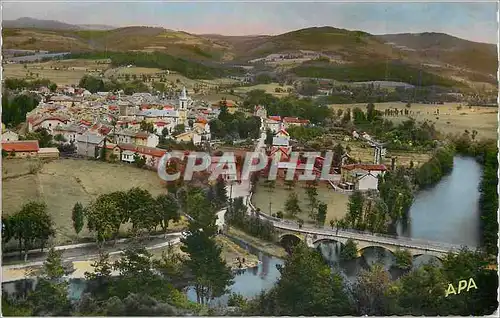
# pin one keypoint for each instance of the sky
(471, 21)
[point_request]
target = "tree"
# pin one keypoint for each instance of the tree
(147, 126)
(99, 280)
(50, 297)
(104, 217)
(370, 291)
(139, 161)
(269, 137)
(167, 210)
(371, 113)
(32, 224)
(53, 87)
(355, 209)
(306, 287)
(312, 195)
(78, 217)
(220, 192)
(211, 274)
(322, 211)
(292, 207)
(349, 251)
(404, 259)
(179, 129)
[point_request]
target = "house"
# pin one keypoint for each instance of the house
(150, 114)
(362, 177)
(274, 123)
(9, 135)
(280, 150)
(87, 144)
(48, 123)
(52, 153)
(294, 121)
(129, 151)
(189, 136)
(169, 124)
(202, 128)
(21, 148)
(69, 132)
(231, 105)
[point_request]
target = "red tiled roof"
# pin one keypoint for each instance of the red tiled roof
(283, 131)
(367, 167)
(113, 107)
(166, 107)
(276, 118)
(155, 152)
(85, 122)
(104, 130)
(295, 120)
(20, 146)
(160, 123)
(142, 135)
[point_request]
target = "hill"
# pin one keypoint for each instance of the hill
(30, 23)
(120, 39)
(446, 49)
(437, 54)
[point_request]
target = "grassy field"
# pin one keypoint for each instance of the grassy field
(132, 71)
(337, 202)
(269, 88)
(62, 183)
(63, 72)
(453, 118)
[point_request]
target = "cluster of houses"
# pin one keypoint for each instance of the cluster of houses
(89, 122)
(358, 176)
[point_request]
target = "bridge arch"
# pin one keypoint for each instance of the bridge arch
(361, 250)
(433, 256)
(288, 241)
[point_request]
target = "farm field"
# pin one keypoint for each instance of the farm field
(451, 119)
(337, 202)
(62, 183)
(132, 71)
(69, 73)
(269, 88)
(361, 152)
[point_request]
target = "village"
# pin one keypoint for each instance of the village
(131, 127)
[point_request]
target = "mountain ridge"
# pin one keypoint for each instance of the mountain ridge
(438, 53)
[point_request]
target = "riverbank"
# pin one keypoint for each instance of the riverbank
(258, 244)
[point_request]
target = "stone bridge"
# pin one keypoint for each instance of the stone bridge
(313, 236)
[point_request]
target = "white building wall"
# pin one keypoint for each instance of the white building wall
(127, 156)
(153, 141)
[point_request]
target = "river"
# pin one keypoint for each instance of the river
(447, 212)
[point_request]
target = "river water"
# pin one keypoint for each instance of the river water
(447, 212)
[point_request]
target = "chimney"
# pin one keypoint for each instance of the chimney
(393, 163)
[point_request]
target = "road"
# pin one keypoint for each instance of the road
(80, 252)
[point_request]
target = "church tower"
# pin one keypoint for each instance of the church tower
(183, 101)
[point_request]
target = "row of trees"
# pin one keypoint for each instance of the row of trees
(308, 286)
(20, 84)
(433, 170)
(108, 212)
(144, 286)
(95, 84)
(238, 217)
